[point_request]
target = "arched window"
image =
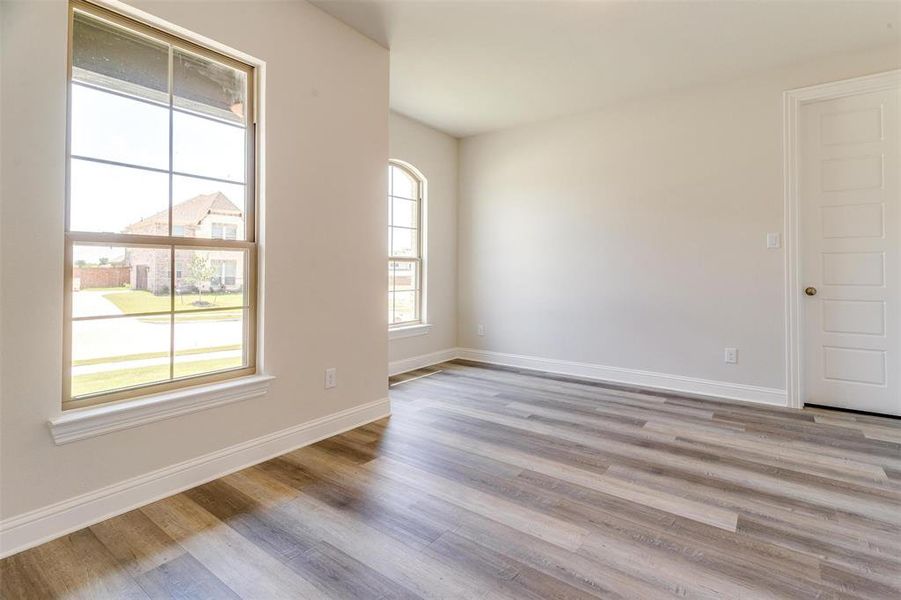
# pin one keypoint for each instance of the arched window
(406, 267)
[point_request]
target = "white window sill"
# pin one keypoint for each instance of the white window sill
(83, 423)
(409, 331)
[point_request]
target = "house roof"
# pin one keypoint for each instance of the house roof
(192, 211)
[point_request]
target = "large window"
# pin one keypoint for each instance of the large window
(405, 247)
(160, 231)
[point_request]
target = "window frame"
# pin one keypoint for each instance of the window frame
(420, 258)
(171, 242)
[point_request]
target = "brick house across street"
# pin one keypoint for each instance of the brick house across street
(208, 216)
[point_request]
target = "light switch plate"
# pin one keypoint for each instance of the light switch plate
(773, 240)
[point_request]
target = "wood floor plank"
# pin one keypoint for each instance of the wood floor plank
(598, 481)
(708, 488)
(765, 452)
(184, 578)
(555, 531)
(781, 481)
(282, 540)
(340, 575)
(844, 531)
(592, 577)
(136, 542)
(503, 483)
(74, 566)
(414, 568)
(235, 560)
(520, 579)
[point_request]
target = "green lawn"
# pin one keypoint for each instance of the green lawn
(142, 301)
(122, 378)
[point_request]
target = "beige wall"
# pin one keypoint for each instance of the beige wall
(434, 154)
(634, 237)
(326, 146)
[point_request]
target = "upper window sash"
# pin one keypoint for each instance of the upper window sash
(191, 85)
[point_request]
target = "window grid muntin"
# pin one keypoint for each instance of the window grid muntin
(174, 173)
(417, 259)
(171, 242)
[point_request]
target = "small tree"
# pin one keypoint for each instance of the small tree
(199, 273)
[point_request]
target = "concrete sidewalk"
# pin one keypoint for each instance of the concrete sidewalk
(149, 362)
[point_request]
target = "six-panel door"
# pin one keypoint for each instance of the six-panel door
(851, 253)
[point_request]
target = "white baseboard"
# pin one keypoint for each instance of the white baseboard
(423, 360)
(44, 524)
(647, 379)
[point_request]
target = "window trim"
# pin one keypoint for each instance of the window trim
(100, 419)
(250, 244)
(421, 325)
(405, 331)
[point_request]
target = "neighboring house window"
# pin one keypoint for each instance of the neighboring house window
(161, 146)
(405, 246)
(223, 231)
(226, 272)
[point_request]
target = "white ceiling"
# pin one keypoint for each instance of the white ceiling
(467, 67)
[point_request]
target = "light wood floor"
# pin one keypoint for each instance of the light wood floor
(489, 483)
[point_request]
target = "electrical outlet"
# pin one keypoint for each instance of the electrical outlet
(773, 240)
(331, 378)
(731, 356)
(480, 329)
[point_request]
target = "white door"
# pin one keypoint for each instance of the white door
(851, 252)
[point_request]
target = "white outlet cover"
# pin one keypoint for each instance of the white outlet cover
(731, 355)
(773, 240)
(331, 378)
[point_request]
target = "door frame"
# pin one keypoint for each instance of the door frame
(793, 100)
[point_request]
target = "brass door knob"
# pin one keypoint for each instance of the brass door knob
(811, 291)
